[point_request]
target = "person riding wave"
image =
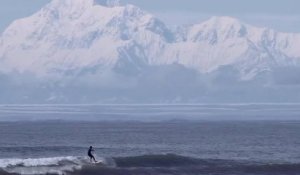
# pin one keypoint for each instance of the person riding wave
(91, 156)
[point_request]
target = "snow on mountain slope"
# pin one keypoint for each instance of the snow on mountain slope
(75, 35)
(227, 41)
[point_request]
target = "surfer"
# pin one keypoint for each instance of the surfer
(91, 156)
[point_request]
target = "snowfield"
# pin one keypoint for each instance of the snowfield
(107, 47)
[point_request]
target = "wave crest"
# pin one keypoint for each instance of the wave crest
(167, 164)
(54, 165)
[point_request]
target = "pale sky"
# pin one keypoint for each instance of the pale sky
(282, 15)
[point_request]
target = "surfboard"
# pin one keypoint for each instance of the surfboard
(98, 163)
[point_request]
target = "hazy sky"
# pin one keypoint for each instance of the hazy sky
(283, 15)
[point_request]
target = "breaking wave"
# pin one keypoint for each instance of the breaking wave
(53, 165)
(169, 164)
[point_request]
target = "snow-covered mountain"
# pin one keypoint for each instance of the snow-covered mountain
(72, 38)
(78, 34)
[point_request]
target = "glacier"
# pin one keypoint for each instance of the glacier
(87, 51)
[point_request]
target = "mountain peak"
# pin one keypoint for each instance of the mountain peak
(109, 3)
(223, 22)
(225, 19)
(70, 3)
(61, 8)
(217, 28)
(85, 3)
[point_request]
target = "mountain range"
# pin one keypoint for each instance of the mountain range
(88, 51)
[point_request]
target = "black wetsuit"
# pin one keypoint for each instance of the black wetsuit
(91, 155)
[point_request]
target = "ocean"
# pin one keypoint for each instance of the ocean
(177, 140)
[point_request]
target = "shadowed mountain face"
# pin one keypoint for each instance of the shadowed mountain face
(83, 51)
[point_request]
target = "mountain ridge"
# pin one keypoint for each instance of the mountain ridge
(128, 53)
(213, 41)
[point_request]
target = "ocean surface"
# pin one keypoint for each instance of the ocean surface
(176, 140)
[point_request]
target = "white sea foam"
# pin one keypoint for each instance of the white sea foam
(57, 165)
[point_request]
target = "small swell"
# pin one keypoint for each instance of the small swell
(168, 160)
